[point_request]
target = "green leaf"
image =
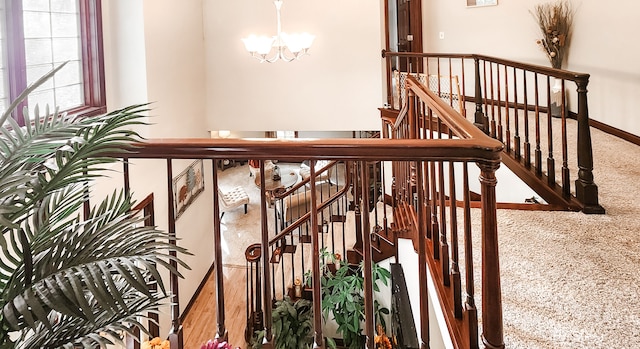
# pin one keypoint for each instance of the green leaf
(93, 273)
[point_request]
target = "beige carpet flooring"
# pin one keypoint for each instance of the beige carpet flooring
(569, 280)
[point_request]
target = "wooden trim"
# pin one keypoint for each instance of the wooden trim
(629, 137)
(196, 294)
(91, 53)
(16, 57)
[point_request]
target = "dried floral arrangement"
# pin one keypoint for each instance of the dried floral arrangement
(156, 343)
(555, 20)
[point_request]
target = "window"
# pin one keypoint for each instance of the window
(286, 134)
(38, 35)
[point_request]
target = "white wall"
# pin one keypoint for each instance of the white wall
(602, 45)
(154, 52)
(124, 53)
(336, 87)
(174, 45)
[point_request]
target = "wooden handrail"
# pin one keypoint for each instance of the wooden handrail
(294, 150)
(461, 127)
(401, 116)
(559, 73)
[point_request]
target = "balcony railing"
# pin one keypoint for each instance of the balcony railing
(540, 114)
(418, 180)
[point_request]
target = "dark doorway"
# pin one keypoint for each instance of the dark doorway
(404, 28)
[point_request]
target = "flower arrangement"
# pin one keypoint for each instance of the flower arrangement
(555, 21)
(156, 343)
(381, 340)
(216, 344)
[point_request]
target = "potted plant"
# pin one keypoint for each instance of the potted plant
(68, 281)
(343, 298)
(292, 325)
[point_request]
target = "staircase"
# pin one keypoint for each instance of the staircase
(383, 208)
(401, 187)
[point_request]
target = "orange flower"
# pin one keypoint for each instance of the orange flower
(381, 340)
(156, 343)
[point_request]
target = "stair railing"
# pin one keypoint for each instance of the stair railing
(331, 208)
(529, 108)
(470, 146)
(426, 195)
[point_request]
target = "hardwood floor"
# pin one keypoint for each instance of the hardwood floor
(200, 324)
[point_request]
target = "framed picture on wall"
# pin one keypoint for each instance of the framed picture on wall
(478, 3)
(187, 186)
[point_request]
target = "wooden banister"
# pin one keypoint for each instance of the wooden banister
(504, 93)
(417, 160)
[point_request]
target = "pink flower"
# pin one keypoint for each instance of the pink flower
(216, 344)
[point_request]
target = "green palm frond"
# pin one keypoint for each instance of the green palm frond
(14, 105)
(73, 332)
(65, 281)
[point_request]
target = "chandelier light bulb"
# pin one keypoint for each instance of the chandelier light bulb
(296, 44)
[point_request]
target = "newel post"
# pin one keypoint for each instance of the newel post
(480, 121)
(492, 328)
(586, 189)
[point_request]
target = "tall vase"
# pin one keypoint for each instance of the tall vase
(556, 99)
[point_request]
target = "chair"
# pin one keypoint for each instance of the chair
(254, 167)
(293, 207)
(236, 197)
(305, 171)
(296, 205)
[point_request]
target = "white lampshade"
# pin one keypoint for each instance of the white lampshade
(298, 41)
(306, 40)
(260, 44)
(292, 41)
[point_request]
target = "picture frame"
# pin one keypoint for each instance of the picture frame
(481, 3)
(187, 186)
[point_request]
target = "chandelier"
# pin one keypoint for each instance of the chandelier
(296, 44)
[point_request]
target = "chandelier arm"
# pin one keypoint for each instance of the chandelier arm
(280, 55)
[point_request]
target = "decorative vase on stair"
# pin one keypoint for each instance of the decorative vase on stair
(556, 99)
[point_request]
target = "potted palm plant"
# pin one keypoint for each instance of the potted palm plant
(67, 281)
